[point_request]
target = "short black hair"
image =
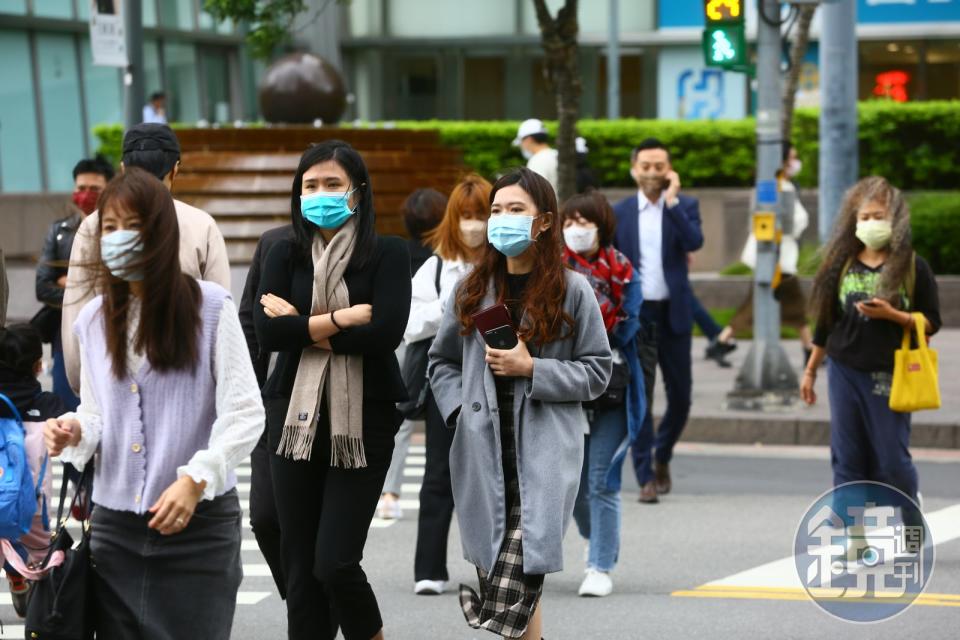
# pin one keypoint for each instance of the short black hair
(151, 147)
(157, 95)
(20, 348)
(646, 145)
(422, 211)
(98, 165)
(539, 138)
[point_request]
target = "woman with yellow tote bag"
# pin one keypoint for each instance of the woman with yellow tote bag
(870, 288)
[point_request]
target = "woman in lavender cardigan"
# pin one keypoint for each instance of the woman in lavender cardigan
(170, 403)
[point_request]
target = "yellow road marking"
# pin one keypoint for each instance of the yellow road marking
(791, 594)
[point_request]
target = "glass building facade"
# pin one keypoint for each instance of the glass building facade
(416, 59)
(52, 95)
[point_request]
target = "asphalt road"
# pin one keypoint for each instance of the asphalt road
(733, 509)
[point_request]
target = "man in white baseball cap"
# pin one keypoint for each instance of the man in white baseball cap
(541, 157)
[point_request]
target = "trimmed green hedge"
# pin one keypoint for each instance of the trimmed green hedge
(935, 222)
(916, 146)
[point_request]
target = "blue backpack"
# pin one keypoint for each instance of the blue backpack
(18, 494)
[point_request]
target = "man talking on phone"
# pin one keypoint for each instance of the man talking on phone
(656, 229)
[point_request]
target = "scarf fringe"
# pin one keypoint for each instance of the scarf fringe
(346, 452)
(296, 442)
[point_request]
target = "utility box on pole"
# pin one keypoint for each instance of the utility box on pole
(767, 380)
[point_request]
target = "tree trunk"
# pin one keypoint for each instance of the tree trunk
(797, 53)
(559, 39)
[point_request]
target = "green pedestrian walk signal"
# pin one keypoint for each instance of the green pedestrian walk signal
(724, 38)
(724, 47)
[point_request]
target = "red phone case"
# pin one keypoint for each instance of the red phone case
(492, 318)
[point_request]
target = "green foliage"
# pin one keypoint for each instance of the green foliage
(723, 315)
(111, 141)
(935, 222)
(270, 21)
(736, 269)
(916, 146)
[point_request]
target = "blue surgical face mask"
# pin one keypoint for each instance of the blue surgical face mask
(327, 210)
(509, 233)
(119, 249)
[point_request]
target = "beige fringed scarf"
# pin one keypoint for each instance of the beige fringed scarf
(343, 374)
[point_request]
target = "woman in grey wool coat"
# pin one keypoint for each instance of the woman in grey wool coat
(518, 448)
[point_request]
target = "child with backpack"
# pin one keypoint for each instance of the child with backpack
(24, 408)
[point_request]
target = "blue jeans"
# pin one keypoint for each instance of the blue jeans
(597, 510)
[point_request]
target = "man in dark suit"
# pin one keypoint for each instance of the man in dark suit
(263, 509)
(656, 229)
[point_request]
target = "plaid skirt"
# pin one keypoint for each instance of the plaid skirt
(508, 597)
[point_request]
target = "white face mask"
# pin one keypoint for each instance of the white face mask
(473, 232)
(580, 239)
(875, 234)
(794, 167)
(527, 154)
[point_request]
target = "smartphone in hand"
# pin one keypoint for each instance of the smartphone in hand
(501, 338)
(495, 327)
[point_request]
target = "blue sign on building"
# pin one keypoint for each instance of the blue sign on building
(887, 11)
(680, 13)
(689, 13)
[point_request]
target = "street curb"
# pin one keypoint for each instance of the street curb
(794, 431)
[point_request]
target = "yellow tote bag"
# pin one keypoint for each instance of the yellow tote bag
(915, 380)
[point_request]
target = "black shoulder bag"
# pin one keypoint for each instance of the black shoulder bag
(414, 370)
(61, 603)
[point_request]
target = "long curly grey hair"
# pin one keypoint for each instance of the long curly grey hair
(844, 246)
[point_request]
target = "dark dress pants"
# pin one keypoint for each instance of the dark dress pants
(263, 513)
(325, 514)
(659, 345)
(436, 500)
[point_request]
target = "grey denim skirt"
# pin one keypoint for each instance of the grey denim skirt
(153, 587)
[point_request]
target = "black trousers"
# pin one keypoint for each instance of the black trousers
(436, 500)
(263, 513)
(325, 514)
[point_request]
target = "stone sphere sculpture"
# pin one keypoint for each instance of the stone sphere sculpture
(301, 88)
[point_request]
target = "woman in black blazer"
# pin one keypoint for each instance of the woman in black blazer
(328, 475)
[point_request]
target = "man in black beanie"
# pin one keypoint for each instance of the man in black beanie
(203, 253)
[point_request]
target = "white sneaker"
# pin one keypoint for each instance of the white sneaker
(389, 509)
(596, 584)
(429, 587)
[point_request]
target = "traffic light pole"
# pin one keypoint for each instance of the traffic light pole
(766, 380)
(133, 87)
(839, 156)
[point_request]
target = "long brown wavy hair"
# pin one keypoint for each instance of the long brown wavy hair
(169, 331)
(471, 193)
(845, 246)
(547, 287)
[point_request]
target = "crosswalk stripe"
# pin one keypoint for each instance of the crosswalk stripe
(416, 460)
(410, 487)
(418, 449)
(243, 597)
(252, 597)
(413, 472)
(241, 472)
(256, 570)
